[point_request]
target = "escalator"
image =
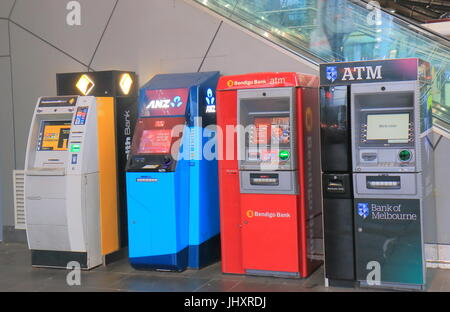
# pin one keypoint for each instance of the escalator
(345, 30)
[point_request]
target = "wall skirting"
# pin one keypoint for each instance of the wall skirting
(437, 256)
(11, 235)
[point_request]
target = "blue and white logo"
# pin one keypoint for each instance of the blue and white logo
(177, 102)
(210, 101)
(363, 210)
(332, 73)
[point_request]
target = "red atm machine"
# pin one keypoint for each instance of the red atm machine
(269, 174)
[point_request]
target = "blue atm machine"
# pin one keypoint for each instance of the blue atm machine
(172, 182)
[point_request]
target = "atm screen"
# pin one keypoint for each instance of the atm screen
(391, 127)
(155, 141)
(54, 135)
(275, 130)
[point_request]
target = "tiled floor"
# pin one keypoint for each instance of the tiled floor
(16, 274)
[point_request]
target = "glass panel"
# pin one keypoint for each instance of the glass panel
(343, 30)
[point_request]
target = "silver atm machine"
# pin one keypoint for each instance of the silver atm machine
(61, 183)
(392, 169)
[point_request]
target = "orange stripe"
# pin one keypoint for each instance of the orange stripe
(108, 175)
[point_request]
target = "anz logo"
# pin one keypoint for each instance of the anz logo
(165, 103)
(210, 101)
(177, 102)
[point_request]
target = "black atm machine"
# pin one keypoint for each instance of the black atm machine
(377, 163)
(337, 183)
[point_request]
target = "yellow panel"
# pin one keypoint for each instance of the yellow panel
(109, 223)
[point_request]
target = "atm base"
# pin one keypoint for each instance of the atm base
(343, 283)
(57, 259)
(171, 262)
(192, 257)
(115, 256)
(204, 254)
(393, 286)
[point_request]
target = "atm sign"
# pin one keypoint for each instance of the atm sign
(170, 102)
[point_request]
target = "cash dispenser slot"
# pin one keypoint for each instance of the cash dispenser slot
(336, 186)
(264, 179)
(383, 182)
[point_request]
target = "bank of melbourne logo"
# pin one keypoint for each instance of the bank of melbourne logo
(177, 102)
(332, 73)
(363, 210)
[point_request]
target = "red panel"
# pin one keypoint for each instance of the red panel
(227, 119)
(311, 201)
(170, 102)
(230, 213)
(265, 232)
(267, 80)
(230, 221)
(302, 246)
(258, 80)
(269, 232)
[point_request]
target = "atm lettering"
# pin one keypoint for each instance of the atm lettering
(371, 73)
(359, 71)
(348, 74)
(278, 80)
(374, 73)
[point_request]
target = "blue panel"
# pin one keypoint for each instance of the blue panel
(151, 218)
(158, 213)
(176, 218)
(204, 200)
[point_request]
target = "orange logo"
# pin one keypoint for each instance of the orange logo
(250, 214)
(230, 83)
(309, 122)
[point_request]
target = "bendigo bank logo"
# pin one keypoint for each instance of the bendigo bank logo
(250, 214)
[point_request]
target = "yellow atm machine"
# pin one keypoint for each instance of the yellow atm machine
(116, 98)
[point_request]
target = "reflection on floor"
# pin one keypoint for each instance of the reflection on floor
(16, 274)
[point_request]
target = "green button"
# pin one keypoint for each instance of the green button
(405, 155)
(284, 155)
(75, 148)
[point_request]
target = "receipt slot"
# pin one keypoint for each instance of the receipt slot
(172, 184)
(62, 183)
(269, 174)
(376, 121)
